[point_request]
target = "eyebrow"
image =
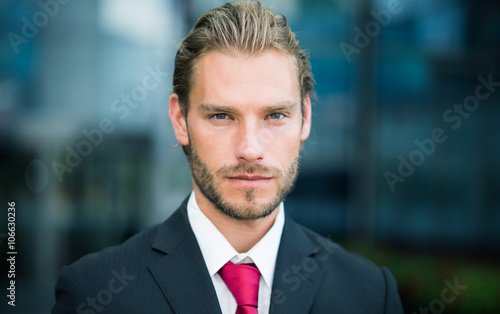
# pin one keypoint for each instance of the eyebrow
(207, 107)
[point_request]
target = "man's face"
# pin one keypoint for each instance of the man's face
(244, 131)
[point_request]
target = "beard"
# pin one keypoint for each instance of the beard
(248, 209)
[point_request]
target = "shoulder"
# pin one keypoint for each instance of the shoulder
(139, 250)
(134, 251)
(121, 273)
(331, 254)
(118, 273)
(350, 280)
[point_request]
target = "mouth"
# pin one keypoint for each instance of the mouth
(249, 181)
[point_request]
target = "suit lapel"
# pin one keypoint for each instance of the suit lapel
(297, 276)
(183, 277)
(182, 274)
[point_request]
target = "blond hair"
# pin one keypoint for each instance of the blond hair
(241, 26)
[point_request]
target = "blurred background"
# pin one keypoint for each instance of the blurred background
(402, 166)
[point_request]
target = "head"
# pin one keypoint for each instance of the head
(241, 107)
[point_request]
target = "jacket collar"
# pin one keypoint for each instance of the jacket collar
(298, 276)
(182, 263)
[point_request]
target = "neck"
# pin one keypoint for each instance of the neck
(241, 234)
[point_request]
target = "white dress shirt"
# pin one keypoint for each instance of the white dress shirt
(217, 251)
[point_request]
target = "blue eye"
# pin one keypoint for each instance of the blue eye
(276, 116)
(220, 116)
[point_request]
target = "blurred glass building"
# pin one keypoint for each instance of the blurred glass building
(403, 164)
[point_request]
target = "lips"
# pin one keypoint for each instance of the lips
(250, 177)
(246, 181)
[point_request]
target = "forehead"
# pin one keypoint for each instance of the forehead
(242, 79)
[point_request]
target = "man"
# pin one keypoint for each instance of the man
(241, 110)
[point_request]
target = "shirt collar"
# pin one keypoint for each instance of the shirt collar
(217, 251)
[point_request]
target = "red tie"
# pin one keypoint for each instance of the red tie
(243, 282)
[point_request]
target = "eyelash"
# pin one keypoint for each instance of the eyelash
(213, 116)
(282, 115)
(218, 114)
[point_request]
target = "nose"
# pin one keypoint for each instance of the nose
(250, 142)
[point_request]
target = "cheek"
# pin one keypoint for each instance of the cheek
(284, 146)
(211, 146)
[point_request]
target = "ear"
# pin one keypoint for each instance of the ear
(306, 119)
(178, 120)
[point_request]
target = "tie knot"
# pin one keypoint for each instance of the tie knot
(243, 282)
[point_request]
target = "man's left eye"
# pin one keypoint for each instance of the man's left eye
(220, 116)
(276, 116)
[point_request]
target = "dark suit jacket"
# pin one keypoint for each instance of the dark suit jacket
(161, 270)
